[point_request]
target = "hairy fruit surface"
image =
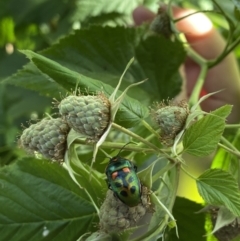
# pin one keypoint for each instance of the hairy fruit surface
(171, 119)
(88, 115)
(115, 216)
(47, 137)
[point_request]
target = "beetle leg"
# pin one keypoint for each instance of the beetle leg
(108, 184)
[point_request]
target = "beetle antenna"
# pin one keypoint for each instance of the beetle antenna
(123, 147)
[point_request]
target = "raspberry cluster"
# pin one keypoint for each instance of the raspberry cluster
(88, 115)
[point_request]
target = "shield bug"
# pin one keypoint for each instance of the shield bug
(123, 180)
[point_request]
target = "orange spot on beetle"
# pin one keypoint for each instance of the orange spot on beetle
(126, 169)
(114, 175)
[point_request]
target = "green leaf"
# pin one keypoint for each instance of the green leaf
(108, 19)
(31, 78)
(202, 137)
(132, 109)
(102, 54)
(145, 175)
(155, 57)
(39, 201)
(86, 9)
(97, 53)
(218, 187)
(163, 199)
(91, 181)
(190, 225)
(227, 162)
(222, 112)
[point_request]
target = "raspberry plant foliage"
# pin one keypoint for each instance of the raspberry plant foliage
(94, 59)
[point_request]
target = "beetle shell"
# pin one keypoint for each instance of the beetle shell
(123, 181)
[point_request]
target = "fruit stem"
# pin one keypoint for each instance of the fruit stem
(236, 153)
(198, 85)
(119, 145)
(174, 176)
(231, 149)
(190, 175)
(203, 71)
(228, 143)
(141, 144)
(203, 63)
(139, 138)
(193, 13)
(231, 126)
(144, 123)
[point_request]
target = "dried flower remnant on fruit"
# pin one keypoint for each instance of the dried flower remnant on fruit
(88, 115)
(115, 216)
(170, 118)
(48, 137)
(228, 232)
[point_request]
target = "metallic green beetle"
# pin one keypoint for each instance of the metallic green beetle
(123, 180)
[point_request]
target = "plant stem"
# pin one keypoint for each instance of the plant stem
(203, 71)
(190, 175)
(190, 14)
(139, 138)
(150, 128)
(192, 53)
(229, 20)
(228, 143)
(231, 126)
(228, 50)
(175, 183)
(199, 84)
(132, 154)
(119, 145)
(236, 153)
(202, 62)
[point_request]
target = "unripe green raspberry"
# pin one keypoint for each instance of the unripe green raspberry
(161, 23)
(171, 119)
(88, 115)
(115, 216)
(47, 137)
